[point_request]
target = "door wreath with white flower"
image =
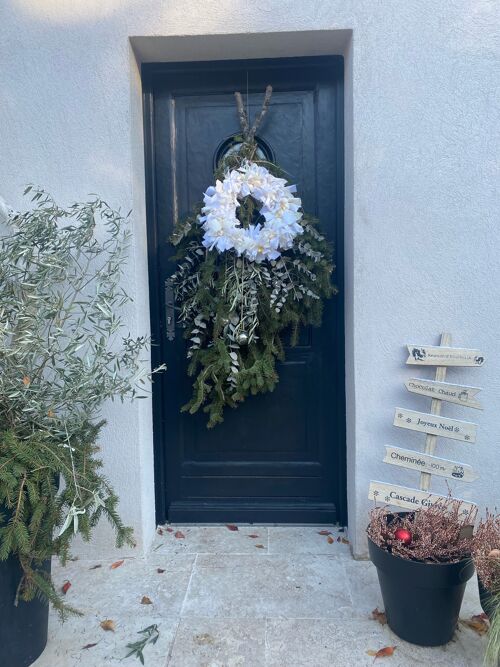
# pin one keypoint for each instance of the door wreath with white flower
(252, 267)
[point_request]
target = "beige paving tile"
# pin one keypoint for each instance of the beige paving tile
(107, 591)
(363, 585)
(65, 647)
(259, 586)
(219, 642)
(211, 540)
(344, 642)
(307, 540)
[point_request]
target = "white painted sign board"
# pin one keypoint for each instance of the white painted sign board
(435, 425)
(422, 355)
(407, 458)
(412, 499)
(444, 391)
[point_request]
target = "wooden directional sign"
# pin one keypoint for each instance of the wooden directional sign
(423, 355)
(444, 391)
(413, 499)
(435, 425)
(406, 458)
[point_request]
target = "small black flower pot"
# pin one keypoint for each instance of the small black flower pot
(422, 600)
(487, 600)
(23, 629)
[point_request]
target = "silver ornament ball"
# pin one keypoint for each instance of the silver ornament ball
(243, 338)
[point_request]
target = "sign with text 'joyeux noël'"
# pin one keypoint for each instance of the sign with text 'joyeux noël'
(444, 391)
(407, 458)
(443, 356)
(435, 425)
(412, 499)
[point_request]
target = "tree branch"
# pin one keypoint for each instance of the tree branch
(258, 119)
(242, 114)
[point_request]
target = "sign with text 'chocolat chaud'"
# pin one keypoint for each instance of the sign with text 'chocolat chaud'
(444, 391)
(433, 425)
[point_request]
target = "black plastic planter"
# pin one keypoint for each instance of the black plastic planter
(422, 600)
(487, 600)
(23, 629)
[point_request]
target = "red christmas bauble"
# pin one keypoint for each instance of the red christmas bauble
(403, 535)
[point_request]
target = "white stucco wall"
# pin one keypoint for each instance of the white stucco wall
(422, 222)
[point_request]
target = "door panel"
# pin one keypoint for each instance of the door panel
(278, 456)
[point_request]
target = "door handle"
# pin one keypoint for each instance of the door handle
(169, 310)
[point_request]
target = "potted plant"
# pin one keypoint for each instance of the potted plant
(423, 564)
(61, 356)
(486, 557)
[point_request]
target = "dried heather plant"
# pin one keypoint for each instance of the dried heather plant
(439, 533)
(486, 551)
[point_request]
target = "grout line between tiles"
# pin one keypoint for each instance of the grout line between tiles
(193, 567)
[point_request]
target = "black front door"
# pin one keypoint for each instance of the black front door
(279, 457)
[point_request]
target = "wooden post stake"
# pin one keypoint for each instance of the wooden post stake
(430, 440)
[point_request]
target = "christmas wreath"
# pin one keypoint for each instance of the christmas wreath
(252, 267)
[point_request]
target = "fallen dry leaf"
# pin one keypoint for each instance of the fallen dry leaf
(169, 530)
(160, 531)
(108, 625)
(179, 535)
(26, 381)
(160, 570)
(385, 652)
(344, 540)
(479, 623)
(89, 646)
(253, 536)
(51, 414)
(117, 563)
(330, 539)
(231, 526)
(379, 616)
(65, 587)
(146, 600)
(324, 532)
(259, 546)
(95, 567)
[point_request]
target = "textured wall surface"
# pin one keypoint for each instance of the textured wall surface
(422, 222)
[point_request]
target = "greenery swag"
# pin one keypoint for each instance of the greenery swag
(61, 356)
(236, 310)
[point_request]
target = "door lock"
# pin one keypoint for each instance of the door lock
(169, 310)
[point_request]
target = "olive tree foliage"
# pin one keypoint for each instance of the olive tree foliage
(64, 351)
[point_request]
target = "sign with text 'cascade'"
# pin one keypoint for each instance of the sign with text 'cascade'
(435, 425)
(443, 356)
(444, 391)
(412, 499)
(407, 458)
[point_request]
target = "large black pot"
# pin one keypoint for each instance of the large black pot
(23, 629)
(422, 600)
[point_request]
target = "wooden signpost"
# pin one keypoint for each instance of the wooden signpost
(433, 425)
(443, 356)
(411, 499)
(446, 428)
(453, 393)
(407, 458)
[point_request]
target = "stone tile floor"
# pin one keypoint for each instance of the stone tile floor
(273, 596)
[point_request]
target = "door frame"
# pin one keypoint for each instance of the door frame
(150, 72)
